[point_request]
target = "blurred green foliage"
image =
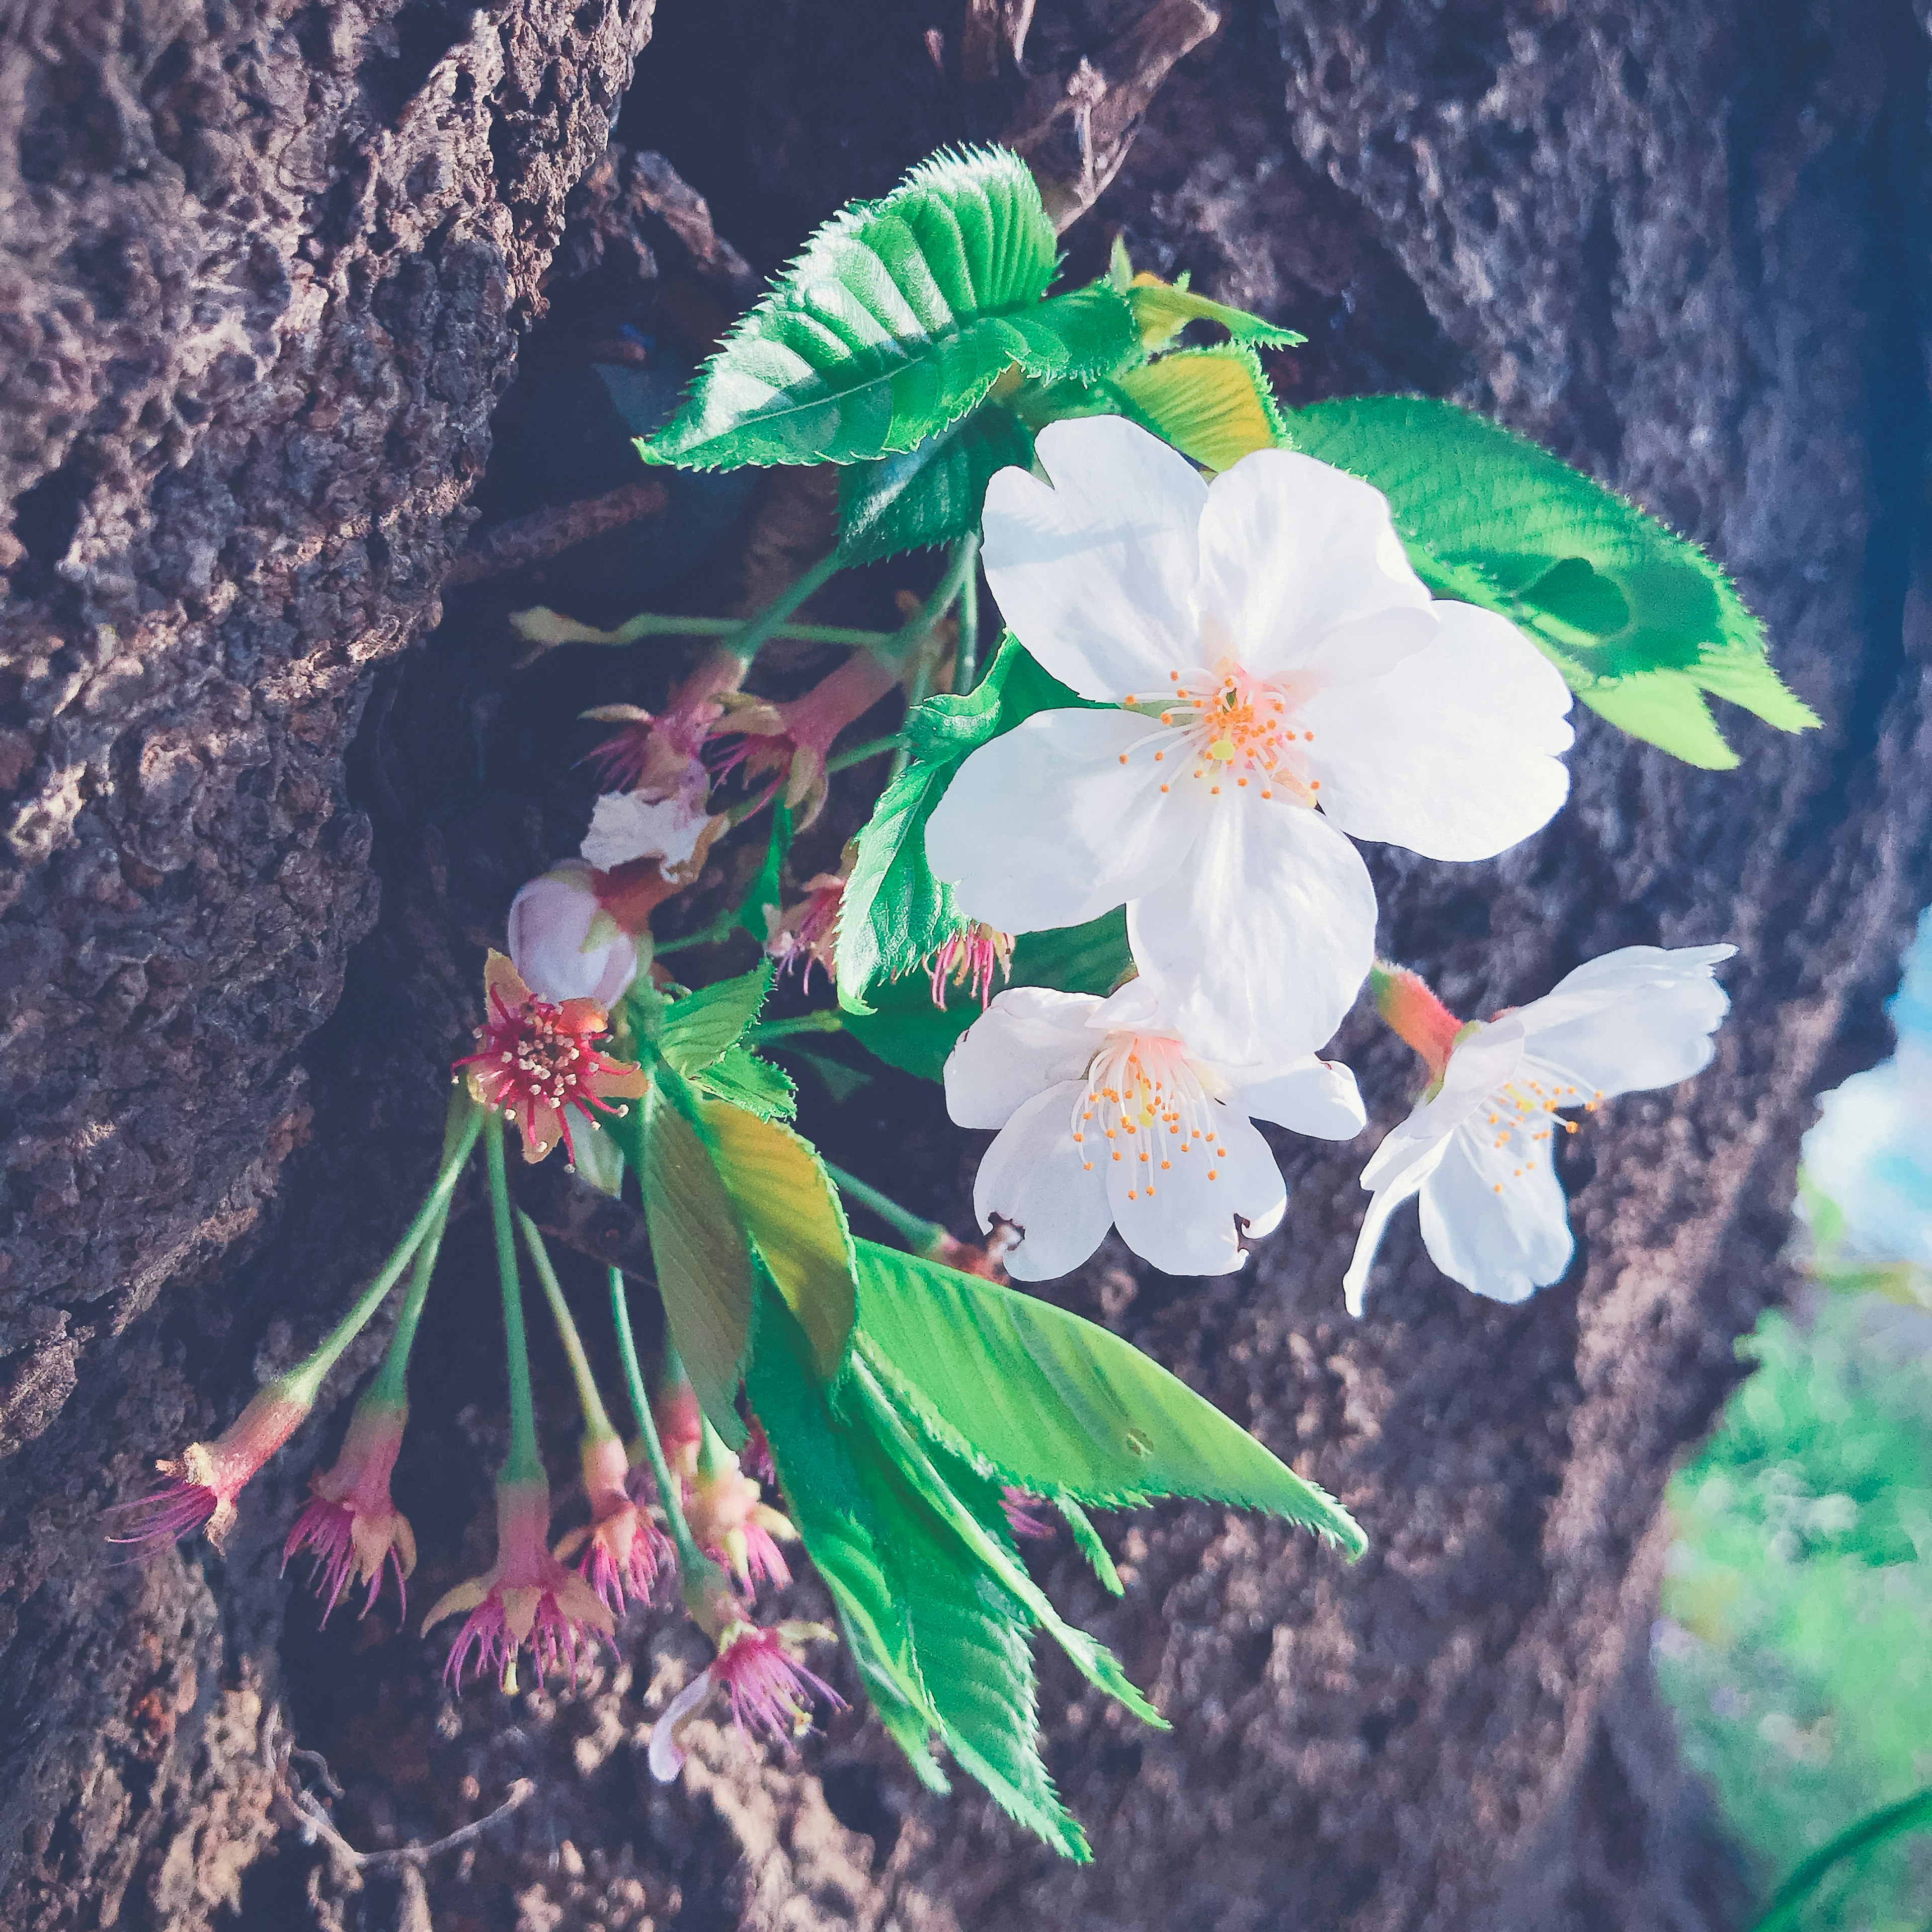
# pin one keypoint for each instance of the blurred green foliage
(1796, 1640)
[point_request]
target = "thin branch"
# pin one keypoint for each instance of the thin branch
(412, 1854)
(522, 541)
(585, 1218)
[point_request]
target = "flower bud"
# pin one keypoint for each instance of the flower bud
(564, 943)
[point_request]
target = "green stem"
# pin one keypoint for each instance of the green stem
(435, 1207)
(826, 1020)
(391, 1383)
(523, 1464)
(690, 1557)
(713, 1457)
(652, 624)
(717, 931)
(964, 562)
(922, 1235)
(596, 1418)
(872, 748)
(966, 659)
(1892, 1821)
(745, 640)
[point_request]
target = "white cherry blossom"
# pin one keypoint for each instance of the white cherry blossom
(1263, 648)
(1479, 1147)
(1105, 1118)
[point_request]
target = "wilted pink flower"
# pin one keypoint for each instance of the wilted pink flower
(526, 1596)
(1025, 1513)
(203, 1481)
(769, 1692)
(349, 1524)
(805, 935)
(970, 958)
(793, 740)
(731, 1526)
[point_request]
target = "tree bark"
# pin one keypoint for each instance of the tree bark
(269, 275)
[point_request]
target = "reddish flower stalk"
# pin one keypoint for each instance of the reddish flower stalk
(1025, 1513)
(988, 1262)
(535, 1064)
(204, 1481)
(970, 958)
(349, 1524)
(526, 1597)
(1412, 1010)
(794, 740)
(769, 1691)
(623, 1547)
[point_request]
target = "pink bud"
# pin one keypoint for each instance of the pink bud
(565, 945)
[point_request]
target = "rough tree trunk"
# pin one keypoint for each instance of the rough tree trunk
(266, 269)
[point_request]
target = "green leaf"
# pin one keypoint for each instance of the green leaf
(932, 493)
(793, 1213)
(828, 1504)
(754, 1084)
(991, 1548)
(1162, 310)
(907, 1030)
(1087, 1539)
(701, 1028)
(894, 912)
(1043, 1399)
(899, 316)
(766, 892)
(1640, 622)
(1213, 405)
(703, 1262)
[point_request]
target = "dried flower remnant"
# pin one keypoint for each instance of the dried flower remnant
(770, 1692)
(526, 1597)
(203, 1483)
(788, 743)
(349, 1524)
(805, 935)
(970, 958)
(1025, 1514)
(535, 1064)
(621, 1549)
(733, 1527)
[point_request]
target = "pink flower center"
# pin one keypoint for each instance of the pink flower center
(1147, 1106)
(1230, 731)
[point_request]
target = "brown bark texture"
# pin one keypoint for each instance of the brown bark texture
(266, 270)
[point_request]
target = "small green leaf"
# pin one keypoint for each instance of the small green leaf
(907, 1030)
(701, 1028)
(755, 1085)
(1640, 622)
(766, 892)
(897, 318)
(893, 912)
(1041, 1399)
(1213, 405)
(794, 1215)
(1087, 1538)
(704, 1262)
(932, 494)
(1162, 310)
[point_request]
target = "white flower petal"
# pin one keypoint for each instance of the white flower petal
(666, 1754)
(1640, 1018)
(1498, 1226)
(1482, 1065)
(1034, 1176)
(624, 826)
(1412, 1160)
(1262, 941)
(1291, 550)
(1184, 1221)
(1455, 755)
(1046, 826)
(1030, 1037)
(1095, 576)
(1311, 1095)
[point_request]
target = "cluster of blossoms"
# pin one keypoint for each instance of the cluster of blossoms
(1267, 680)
